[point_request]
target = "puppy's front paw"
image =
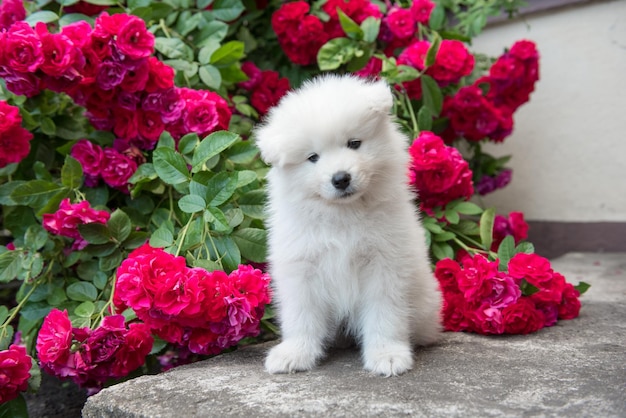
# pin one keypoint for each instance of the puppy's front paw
(290, 357)
(389, 360)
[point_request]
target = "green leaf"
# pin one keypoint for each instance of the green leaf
(217, 218)
(190, 69)
(15, 408)
(452, 216)
(582, 287)
(252, 243)
(192, 203)
(243, 152)
(468, 208)
(486, 227)
(173, 48)
(228, 253)
(44, 16)
(119, 225)
(35, 311)
(170, 165)
(220, 188)
(424, 119)
(245, 177)
(210, 76)
(85, 309)
(6, 190)
(211, 146)
(349, 26)
(431, 54)
(227, 10)
(102, 2)
(82, 291)
(188, 143)
(444, 236)
(212, 33)
(370, 28)
(431, 94)
(10, 265)
(253, 204)
(228, 53)
(161, 238)
(437, 17)
(111, 261)
(506, 251)
(335, 52)
(525, 247)
(35, 237)
(527, 288)
(95, 233)
(35, 193)
(71, 173)
(433, 227)
(442, 251)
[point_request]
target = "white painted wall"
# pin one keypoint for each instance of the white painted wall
(569, 142)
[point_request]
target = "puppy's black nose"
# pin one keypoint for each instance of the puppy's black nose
(341, 180)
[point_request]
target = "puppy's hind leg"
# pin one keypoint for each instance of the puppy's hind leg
(304, 327)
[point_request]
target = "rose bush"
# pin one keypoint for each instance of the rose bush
(132, 191)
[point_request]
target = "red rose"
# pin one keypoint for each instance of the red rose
(125, 123)
(532, 267)
(9, 117)
(137, 345)
(522, 317)
(135, 80)
(150, 127)
(421, 10)
(59, 52)
(569, 308)
(452, 62)
(11, 11)
(474, 278)
(22, 49)
(15, 367)
(286, 18)
(117, 169)
(401, 22)
(14, 145)
(133, 39)
(55, 339)
(446, 273)
(89, 155)
(455, 313)
(269, 91)
(372, 69)
(160, 76)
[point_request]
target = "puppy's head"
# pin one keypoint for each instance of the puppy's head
(332, 137)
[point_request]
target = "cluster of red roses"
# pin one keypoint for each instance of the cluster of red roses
(438, 172)
(15, 367)
(266, 87)
(301, 35)
(66, 220)
(192, 307)
(14, 139)
(110, 71)
(479, 298)
(513, 225)
(91, 357)
(11, 11)
(474, 115)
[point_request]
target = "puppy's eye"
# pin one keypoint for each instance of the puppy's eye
(354, 143)
(313, 157)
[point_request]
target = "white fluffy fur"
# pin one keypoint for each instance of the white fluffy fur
(356, 262)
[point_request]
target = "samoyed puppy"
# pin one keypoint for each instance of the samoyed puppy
(347, 252)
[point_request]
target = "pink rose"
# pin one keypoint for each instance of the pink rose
(15, 367)
(504, 291)
(59, 52)
(401, 22)
(117, 169)
(421, 10)
(22, 49)
(487, 320)
(475, 278)
(55, 341)
(11, 11)
(89, 155)
(132, 354)
(134, 40)
(66, 220)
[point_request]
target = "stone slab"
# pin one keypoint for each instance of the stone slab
(574, 369)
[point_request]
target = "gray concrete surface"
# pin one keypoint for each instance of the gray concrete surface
(574, 369)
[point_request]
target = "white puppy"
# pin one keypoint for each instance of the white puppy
(347, 251)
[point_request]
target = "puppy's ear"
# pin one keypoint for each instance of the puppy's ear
(268, 141)
(380, 98)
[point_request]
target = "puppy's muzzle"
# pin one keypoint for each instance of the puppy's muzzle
(341, 180)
